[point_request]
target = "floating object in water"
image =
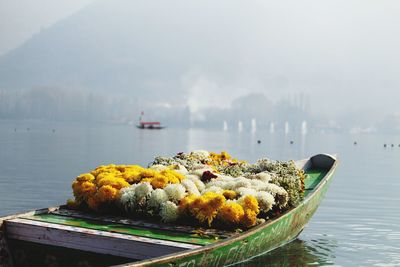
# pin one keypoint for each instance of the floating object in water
(392, 145)
(28, 129)
(253, 125)
(291, 142)
(384, 145)
(151, 125)
(140, 239)
(286, 127)
(258, 141)
(304, 128)
(240, 126)
(355, 143)
(225, 126)
(15, 129)
(54, 130)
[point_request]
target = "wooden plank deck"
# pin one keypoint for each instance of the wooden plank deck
(104, 242)
(190, 238)
(144, 224)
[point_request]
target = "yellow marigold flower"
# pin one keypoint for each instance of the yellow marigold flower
(121, 168)
(83, 189)
(231, 212)
(88, 188)
(92, 203)
(145, 173)
(117, 183)
(159, 182)
(98, 170)
(205, 208)
(131, 176)
(249, 202)
(108, 174)
(217, 202)
(106, 193)
(173, 167)
(225, 155)
(76, 188)
(185, 203)
(229, 194)
(85, 177)
(172, 174)
(72, 204)
(134, 168)
(249, 218)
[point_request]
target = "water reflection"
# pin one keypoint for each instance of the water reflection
(297, 253)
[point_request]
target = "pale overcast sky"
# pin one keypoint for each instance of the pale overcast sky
(20, 19)
(341, 50)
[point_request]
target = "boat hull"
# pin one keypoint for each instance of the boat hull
(240, 247)
(259, 240)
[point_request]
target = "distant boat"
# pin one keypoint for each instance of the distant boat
(151, 125)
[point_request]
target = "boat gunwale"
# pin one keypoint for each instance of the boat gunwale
(225, 242)
(236, 238)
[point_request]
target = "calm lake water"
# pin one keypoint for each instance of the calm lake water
(357, 224)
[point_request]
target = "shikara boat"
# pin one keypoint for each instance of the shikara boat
(61, 237)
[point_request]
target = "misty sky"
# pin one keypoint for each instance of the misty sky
(346, 51)
(20, 19)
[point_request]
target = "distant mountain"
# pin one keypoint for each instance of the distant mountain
(146, 48)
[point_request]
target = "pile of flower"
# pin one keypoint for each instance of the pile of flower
(101, 187)
(199, 188)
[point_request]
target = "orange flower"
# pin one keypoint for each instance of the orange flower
(92, 203)
(106, 193)
(229, 194)
(231, 212)
(249, 218)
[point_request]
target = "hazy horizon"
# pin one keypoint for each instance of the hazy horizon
(342, 55)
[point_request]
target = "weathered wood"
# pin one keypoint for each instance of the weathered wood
(92, 240)
(124, 229)
(260, 239)
(5, 255)
(28, 213)
(144, 224)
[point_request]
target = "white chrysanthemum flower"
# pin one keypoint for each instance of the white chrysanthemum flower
(200, 154)
(169, 212)
(257, 184)
(217, 183)
(175, 192)
(190, 187)
(264, 176)
(226, 178)
(214, 189)
(179, 168)
(199, 172)
(195, 179)
(280, 194)
(244, 191)
(158, 167)
(201, 166)
(143, 190)
(127, 198)
(242, 182)
(265, 200)
(157, 197)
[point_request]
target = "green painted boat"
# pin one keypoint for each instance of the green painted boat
(58, 236)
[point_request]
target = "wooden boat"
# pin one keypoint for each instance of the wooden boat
(61, 237)
(151, 125)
